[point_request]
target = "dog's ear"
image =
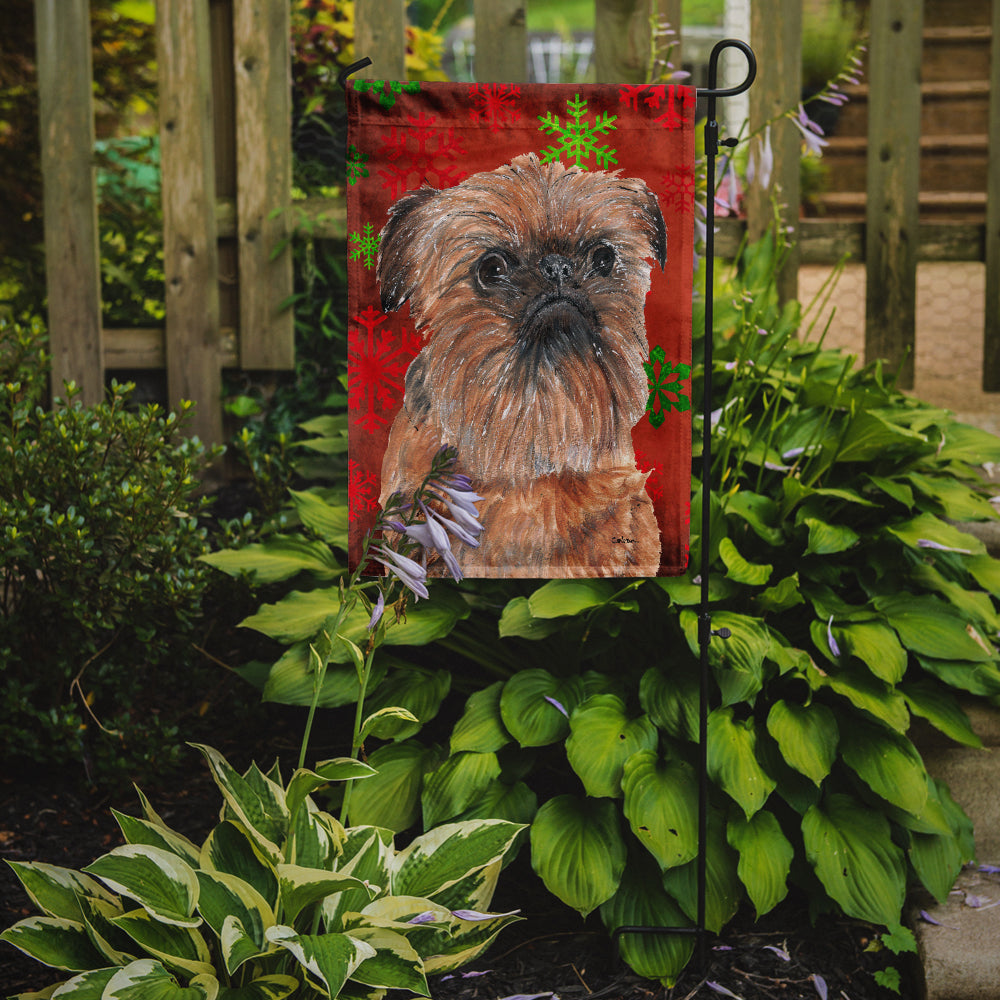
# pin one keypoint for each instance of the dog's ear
(658, 228)
(398, 253)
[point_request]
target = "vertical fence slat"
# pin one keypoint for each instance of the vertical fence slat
(776, 35)
(72, 257)
(380, 34)
(501, 41)
(991, 333)
(190, 254)
(893, 183)
(261, 57)
(621, 40)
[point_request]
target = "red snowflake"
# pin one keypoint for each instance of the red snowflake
(674, 99)
(419, 153)
(494, 104)
(654, 484)
(678, 189)
(377, 362)
(362, 491)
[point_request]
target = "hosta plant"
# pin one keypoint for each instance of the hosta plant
(279, 900)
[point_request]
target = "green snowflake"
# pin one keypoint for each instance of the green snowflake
(365, 246)
(387, 90)
(665, 385)
(356, 161)
(579, 137)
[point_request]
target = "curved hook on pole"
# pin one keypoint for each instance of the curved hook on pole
(713, 90)
(353, 68)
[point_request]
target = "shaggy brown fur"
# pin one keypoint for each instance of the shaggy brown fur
(529, 285)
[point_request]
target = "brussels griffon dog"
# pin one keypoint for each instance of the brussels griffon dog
(529, 284)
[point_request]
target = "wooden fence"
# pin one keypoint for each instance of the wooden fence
(226, 161)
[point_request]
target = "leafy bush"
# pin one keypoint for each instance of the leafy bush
(854, 601)
(99, 539)
(279, 899)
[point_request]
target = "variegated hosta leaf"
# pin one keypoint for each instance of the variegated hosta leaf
(315, 838)
(225, 897)
(274, 987)
(177, 947)
(86, 986)
(230, 849)
(116, 946)
(441, 857)
(850, 847)
(765, 858)
(304, 782)
(147, 979)
(475, 891)
(642, 902)
(56, 891)
(300, 887)
(54, 941)
(329, 959)
(807, 736)
(367, 854)
(466, 941)
(661, 799)
(602, 737)
(141, 831)
(481, 727)
(256, 801)
(732, 760)
(395, 964)
(158, 880)
(578, 851)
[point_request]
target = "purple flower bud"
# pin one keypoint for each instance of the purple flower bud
(377, 612)
(834, 648)
(558, 705)
(427, 917)
(820, 983)
(411, 574)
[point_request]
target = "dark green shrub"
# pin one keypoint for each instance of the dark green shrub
(99, 578)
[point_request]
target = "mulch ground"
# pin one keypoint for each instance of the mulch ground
(550, 953)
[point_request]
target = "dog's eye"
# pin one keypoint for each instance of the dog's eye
(492, 269)
(603, 260)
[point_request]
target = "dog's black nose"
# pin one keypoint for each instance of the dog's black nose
(556, 268)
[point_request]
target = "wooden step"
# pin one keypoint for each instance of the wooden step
(956, 53)
(958, 206)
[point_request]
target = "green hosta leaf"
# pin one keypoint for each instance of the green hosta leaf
(180, 948)
(391, 798)
(602, 738)
(418, 690)
(54, 941)
(684, 593)
(931, 628)
(671, 700)
(327, 520)
(876, 646)
(395, 964)
(986, 571)
(739, 569)
(928, 528)
(870, 436)
(723, 889)
(641, 901)
(941, 709)
(279, 558)
(275, 987)
(888, 763)
(807, 736)
(765, 858)
(827, 539)
(975, 605)
(528, 711)
(304, 782)
(732, 760)
(388, 722)
(141, 831)
(301, 887)
(758, 511)
(965, 443)
(56, 891)
(438, 859)
(850, 847)
(738, 661)
(866, 692)
(330, 959)
(516, 803)
(937, 859)
(976, 678)
(456, 784)
(260, 809)
(957, 501)
(163, 884)
(559, 598)
(226, 898)
(893, 488)
(481, 728)
(517, 620)
(147, 979)
(230, 849)
(291, 680)
(783, 595)
(578, 851)
(661, 799)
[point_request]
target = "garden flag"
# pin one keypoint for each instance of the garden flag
(520, 264)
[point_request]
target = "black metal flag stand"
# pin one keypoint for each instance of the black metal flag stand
(705, 631)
